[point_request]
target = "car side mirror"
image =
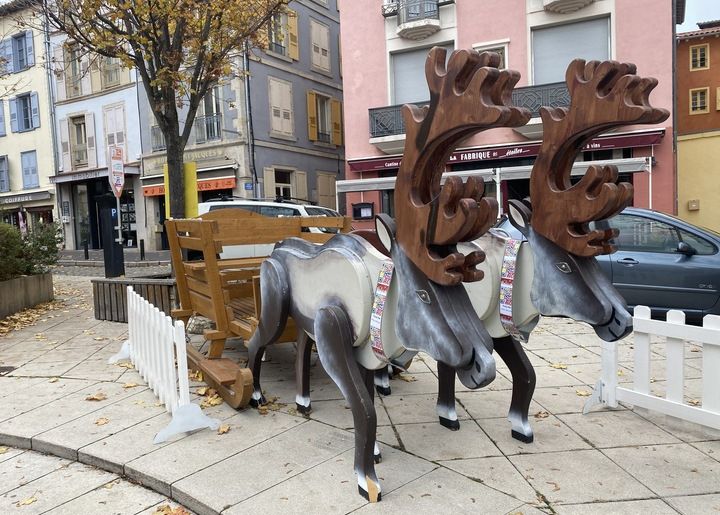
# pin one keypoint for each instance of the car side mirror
(684, 248)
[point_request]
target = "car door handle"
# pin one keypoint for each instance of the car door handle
(628, 261)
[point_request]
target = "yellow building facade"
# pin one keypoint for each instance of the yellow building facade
(698, 183)
(26, 136)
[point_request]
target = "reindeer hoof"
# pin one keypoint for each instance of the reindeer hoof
(257, 402)
(522, 437)
(377, 458)
(452, 425)
(382, 390)
(303, 410)
(376, 498)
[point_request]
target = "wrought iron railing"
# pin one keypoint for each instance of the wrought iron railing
(79, 156)
(388, 121)
(278, 48)
(391, 8)
(207, 128)
(323, 137)
(414, 10)
(158, 139)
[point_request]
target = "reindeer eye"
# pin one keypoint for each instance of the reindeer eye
(563, 267)
(424, 296)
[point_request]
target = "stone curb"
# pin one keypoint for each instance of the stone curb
(130, 264)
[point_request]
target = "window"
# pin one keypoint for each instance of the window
(499, 47)
(114, 123)
(283, 186)
(699, 101)
(283, 34)
(73, 82)
(2, 118)
(639, 234)
(699, 57)
(208, 125)
(324, 118)
(111, 69)
(320, 55)
(281, 108)
(29, 169)
(284, 183)
(24, 112)
(17, 52)
(4, 178)
(553, 48)
(77, 142)
(408, 75)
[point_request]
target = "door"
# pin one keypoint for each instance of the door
(647, 269)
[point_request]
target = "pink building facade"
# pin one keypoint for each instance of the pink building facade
(384, 43)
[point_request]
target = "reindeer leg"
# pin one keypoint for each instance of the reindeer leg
(333, 333)
(275, 295)
(523, 380)
(382, 381)
(446, 397)
(302, 373)
(370, 378)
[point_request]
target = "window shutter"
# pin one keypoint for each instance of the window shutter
(13, 115)
(4, 179)
(269, 182)
(287, 124)
(293, 48)
(275, 107)
(312, 116)
(29, 51)
(29, 169)
(90, 134)
(85, 82)
(65, 145)
(2, 118)
(6, 47)
(336, 121)
(35, 109)
(299, 180)
(324, 47)
(326, 190)
(59, 69)
(96, 74)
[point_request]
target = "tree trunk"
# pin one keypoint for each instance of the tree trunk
(176, 176)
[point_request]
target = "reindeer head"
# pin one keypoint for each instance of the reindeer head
(567, 279)
(468, 96)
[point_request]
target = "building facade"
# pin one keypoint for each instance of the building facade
(96, 112)
(390, 40)
(273, 130)
(698, 124)
(27, 196)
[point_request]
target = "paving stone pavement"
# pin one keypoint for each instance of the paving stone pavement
(609, 461)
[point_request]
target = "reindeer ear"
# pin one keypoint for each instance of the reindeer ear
(385, 227)
(519, 216)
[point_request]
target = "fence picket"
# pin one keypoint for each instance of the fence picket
(675, 360)
(152, 346)
(711, 367)
(642, 353)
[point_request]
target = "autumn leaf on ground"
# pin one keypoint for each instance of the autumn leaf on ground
(695, 349)
(100, 396)
(263, 410)
(165, 509)
(556, 487)
(126, 364)
(129, 385)
(582, 393)
(694, 402)
(99, 338)
(109, 485)
(559, 366)
(223, 429)
(202, 391)
(53, 380)
(621, 372)
(542, 414)
(211, 400)
(195, 375)
(101, 421)
(26, 502)
(3, 450)
(407, 378)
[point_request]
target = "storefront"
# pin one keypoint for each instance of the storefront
(27, 210)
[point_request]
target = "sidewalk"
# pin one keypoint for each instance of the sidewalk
(610, 461)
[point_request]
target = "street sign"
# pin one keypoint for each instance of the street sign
(117, 171)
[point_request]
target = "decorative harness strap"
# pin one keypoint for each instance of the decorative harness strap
(378, 309)
(507, 278)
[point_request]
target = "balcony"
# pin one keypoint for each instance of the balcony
(158, 139)
(207, 128)
(79, 156)
(417, 19)
(387, 127)
(565, 6)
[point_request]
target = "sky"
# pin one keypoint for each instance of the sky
(699, 10)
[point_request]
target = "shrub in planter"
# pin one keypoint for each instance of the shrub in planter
(41, 246)
(12, 255)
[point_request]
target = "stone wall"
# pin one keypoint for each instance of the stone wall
(24, 292)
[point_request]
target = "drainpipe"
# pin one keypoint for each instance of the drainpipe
(248, 116)
(674, 105)
(53, 121)
(650, 171)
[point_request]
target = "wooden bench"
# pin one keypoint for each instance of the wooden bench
(227, 290)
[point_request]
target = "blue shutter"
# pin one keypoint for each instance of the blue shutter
(4, 180)
(2, 118)
(29, 168)
(6, 47)
(35, 110)
(29, 52)
(13, 115)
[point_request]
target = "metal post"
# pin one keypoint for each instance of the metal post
(119, 222)
(86, 252)
(141, 243)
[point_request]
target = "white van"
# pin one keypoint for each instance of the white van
(265, 208)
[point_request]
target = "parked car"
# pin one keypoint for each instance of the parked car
(265, 208)
(662, 262)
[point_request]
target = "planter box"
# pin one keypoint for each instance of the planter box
(25, 292)
(110, 296)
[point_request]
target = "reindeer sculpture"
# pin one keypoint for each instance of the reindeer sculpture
(554, 272)
(360, 323)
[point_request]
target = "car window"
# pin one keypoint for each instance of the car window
(320, 211)
(278, 211)
(640, 234)
(252, 209)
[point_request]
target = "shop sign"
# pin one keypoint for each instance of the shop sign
(26, 197)
(202, 185)
(117, 171)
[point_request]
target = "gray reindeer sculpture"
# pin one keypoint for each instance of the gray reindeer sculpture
(554, 272)
(362, 308)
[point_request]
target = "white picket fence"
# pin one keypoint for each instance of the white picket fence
(153, 345)
(608, 392)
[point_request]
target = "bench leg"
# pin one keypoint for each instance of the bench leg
(217, 343)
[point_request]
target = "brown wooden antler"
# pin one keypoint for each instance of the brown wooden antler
(603, 95)
(469, 96)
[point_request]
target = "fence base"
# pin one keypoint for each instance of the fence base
(185, 419)
(123, 355)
